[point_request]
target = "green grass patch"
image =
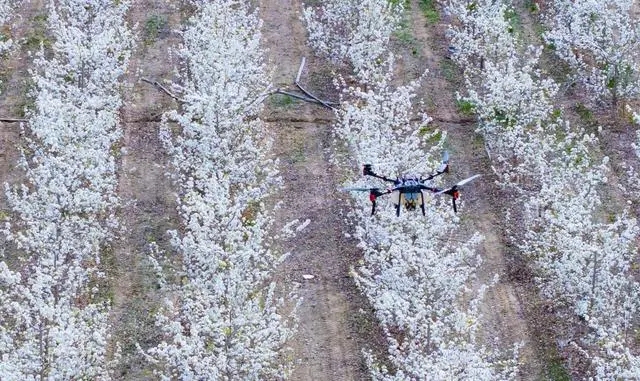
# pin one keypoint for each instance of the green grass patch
(450, 71)
(532, 6)
(556, 371)
(403, 32)
(585, 114)
(153, 26)
(281, 100)
(465, 107)
(27, 103)
(514, 20)
(540, 30)
(431, 133)
(430, 12)
(37, 36)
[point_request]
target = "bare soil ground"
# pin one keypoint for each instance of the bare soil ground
(335, 322)
(147, 194)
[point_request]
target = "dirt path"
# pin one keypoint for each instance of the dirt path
(335, 323)
(149, 206)
(503, 308)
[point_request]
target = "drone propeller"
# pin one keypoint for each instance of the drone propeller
(453, 190)
(468, 179)
(444, 166)
(458, 184)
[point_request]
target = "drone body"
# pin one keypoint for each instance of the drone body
(410, 190)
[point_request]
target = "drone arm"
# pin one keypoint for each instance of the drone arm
(367, 171)
(383, 178)
(437, 173)
(430, 189)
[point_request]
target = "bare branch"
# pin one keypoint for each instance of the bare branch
(297, 83)
(13, 120)
(159, 86)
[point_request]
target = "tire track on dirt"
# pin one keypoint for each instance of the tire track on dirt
(335, 322)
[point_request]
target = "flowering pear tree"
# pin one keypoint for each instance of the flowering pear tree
(53, 321)
(507, 90)
(601, 41)
(481, 32)
(353, 32)
(514, 106)
(412, 274)
(222, 319)
(585, 263)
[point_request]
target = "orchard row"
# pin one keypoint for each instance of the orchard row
(583, 251)
(221, 317)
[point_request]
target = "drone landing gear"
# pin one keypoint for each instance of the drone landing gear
(453, 201)
(455, 194)
(373, 195)
(372, 198)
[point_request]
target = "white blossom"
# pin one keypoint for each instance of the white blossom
(354, 32)
(601, 41)
(582, 261)
(222, 320)
(53, 322)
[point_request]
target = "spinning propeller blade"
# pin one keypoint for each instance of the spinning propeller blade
(356, 189)
(461, 183)
(453, 191)
(373, 194)
(442, 168)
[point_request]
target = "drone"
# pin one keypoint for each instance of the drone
(409, 190)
